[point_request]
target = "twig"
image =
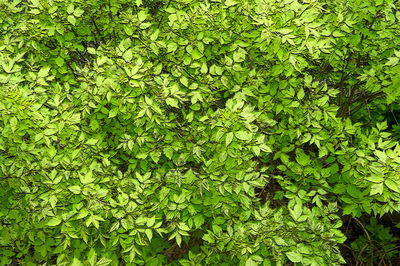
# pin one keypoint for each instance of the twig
(363, 228)
(352, 252)
(395, 119)
(162, 17)
(359, 254)
(364, 101)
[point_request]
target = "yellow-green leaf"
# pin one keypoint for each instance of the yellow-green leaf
(54, 221)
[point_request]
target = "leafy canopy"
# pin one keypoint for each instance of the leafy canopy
(193, 132)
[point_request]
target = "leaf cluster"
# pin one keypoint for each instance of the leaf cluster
(193, 132)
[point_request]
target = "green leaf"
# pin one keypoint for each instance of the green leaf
(103, 262)
(75, 189)
(339, 189)
(78, 12)
(230, 3)
(171, 47)
(265, 148)
(392, 61)
(300, 94)
(149, 233)
(375, 178)
(256, 150)
(302, 158)
(70, 8)
(184, 80)
(151, 221)
(239, 55)
(251, 262)
(91, 50)
(178, 239)
(155, 156)
(280, 241)
(87, 178)
(128, 30)
(172, 102)
(183, 227)
(54, 221)
(169, 152)
(376, 189)
(59, 61)
(128, 55)
(228, 139)
(244, 135)
(208, 238)
(82, 214)
(294, 256)
(297, 211)
(113, 112)
(92, 257)
(91, 142)
(13, 124)
(142, 15)
(204, 68)
(354, 191)
(71, 19)
(381, 155)
(76, 262)
(43, 72)
(392, 185)
(199, 220)
(285, 31)
(196, 54)
(50, 131)
(155, 34)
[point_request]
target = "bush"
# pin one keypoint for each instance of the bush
(194, 132)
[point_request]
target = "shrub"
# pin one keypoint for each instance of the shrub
(193, 132)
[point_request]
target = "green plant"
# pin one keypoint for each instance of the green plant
(193, 132)
(377, 244)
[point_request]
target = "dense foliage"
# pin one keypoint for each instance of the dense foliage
(197, 132)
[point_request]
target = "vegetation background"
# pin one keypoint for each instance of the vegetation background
(186, 132)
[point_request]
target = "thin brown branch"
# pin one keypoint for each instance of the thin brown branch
(364, 100)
